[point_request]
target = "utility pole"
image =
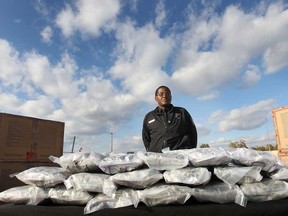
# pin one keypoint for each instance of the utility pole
(73, 144)
(111, 142)
(268, 145)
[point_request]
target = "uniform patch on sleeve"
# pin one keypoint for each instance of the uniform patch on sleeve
(152, 120)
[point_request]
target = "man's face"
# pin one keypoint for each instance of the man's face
(163, 97)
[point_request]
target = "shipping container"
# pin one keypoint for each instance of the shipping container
(280, 119)
(29, 139)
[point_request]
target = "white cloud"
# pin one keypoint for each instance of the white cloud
(47, 34)
(234, 40)
(251, 76)
(56, 81)
(89, 17)
(209, 96)
(160, 14)
(261, 140)
(90, 105)
(10, 65)
(275, 58)
(66, 21)
(128, 144)
(216, 116)
(220, 142)
(133, 5)
(98, 109)
(9, 102)
(251, 141)
(202, 130)
(246, 118)
(214, 49)
(41, 7)
(141, 52)
(39, 107)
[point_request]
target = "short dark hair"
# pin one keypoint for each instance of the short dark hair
(162, 87)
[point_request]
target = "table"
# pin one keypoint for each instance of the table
(191, 208)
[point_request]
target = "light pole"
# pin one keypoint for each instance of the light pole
(111, 142)
(267, 132)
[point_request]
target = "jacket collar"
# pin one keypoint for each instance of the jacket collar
(160, 111)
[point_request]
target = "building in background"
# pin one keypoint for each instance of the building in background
(280, 119)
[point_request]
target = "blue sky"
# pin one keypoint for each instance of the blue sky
(95, 65)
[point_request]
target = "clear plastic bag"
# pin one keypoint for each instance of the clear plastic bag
(42, 176)
(200, 157)
(250, 157)
(62, 196)
(267, 189)
(188, 175)
(219, 192)
(164, 194)
(91, 182)
(122, 198)
(118, 163)
(238, 175)
(138, 179)
(164, 161)
(280, 174)
(79, 161)
(27, 194)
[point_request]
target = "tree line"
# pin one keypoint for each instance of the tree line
(243, 144)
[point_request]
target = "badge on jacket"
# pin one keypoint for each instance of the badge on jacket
(152, 120)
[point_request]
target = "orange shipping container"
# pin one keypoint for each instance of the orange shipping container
(280, 119)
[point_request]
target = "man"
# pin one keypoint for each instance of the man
(168, 126)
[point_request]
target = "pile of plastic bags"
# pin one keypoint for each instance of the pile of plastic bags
(101, 181)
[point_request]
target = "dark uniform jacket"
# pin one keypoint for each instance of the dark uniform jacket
(172, 127)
